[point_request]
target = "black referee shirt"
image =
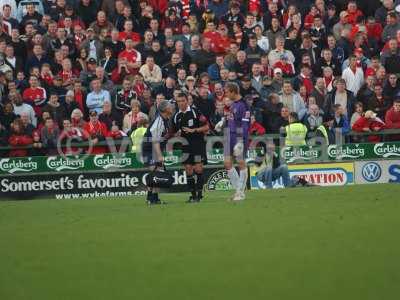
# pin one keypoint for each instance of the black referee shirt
(191, 118)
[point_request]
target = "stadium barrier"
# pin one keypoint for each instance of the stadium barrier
(88, 176)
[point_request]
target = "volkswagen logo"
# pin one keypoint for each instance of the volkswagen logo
(371, 172)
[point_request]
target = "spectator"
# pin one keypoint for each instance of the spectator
(151, 72)
(26, 124)
(391, 28)
(19, 139)
(215, 69)
(20, 107)
(353, 76)
(109, 62)
(132, 56)
(392, 117)
(378, 103)
(35, 95)
(292, 100)
(241, 67)
(340, 95)
(275, 54)
(109, 116)
(7, 116)
(55, 109)
(391, 86)
(255, 127)
(204, 57)
(93, 46)
(96, 132)
(369, 123)
(358, 113)
(340, 121)
(125, 96)
(95, 99)
(313, 119)
(49, 136)
(382, 12)
(366, 91)
(132, 118)
(390, 58)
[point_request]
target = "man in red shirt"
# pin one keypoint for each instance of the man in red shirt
(133, 57)
(97, 132)
(353, 12)
(392, 118)
(214, 37)
(35, 95)
(129, 33)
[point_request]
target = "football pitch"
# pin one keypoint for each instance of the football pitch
(304, 243)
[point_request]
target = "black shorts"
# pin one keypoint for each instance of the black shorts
(194, 152)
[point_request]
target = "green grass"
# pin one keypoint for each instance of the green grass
(315, 243)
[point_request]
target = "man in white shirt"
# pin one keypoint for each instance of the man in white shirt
(353, 75)
(21, 108)
(150, 71)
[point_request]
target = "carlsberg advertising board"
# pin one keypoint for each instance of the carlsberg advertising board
(124, 161)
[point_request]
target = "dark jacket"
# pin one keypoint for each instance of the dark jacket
(330, 101)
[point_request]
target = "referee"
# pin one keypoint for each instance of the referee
(154, 144)
(192, 125)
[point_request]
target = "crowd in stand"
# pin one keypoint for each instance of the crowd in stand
(91, 69)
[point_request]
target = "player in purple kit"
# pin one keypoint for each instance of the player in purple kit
(237, 123)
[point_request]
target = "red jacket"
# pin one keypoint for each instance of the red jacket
(363, 122)
(308, 21)
(159, 6)
(216, 41)
(374, 30)
(392, 119)
(256, 129)
(98, 130)
(352, 18)
(16, 140)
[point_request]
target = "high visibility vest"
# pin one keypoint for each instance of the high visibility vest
(322, 129)
(296, 134)
(137, 137)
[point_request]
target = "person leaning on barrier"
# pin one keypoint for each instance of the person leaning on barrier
(296, 131)
(269, 168)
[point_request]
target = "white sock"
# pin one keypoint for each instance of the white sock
(242, 180)
(233, 177)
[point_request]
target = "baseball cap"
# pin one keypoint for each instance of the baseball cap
(343, 14)
(92, 61)
(277, 70)
(70, 93)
